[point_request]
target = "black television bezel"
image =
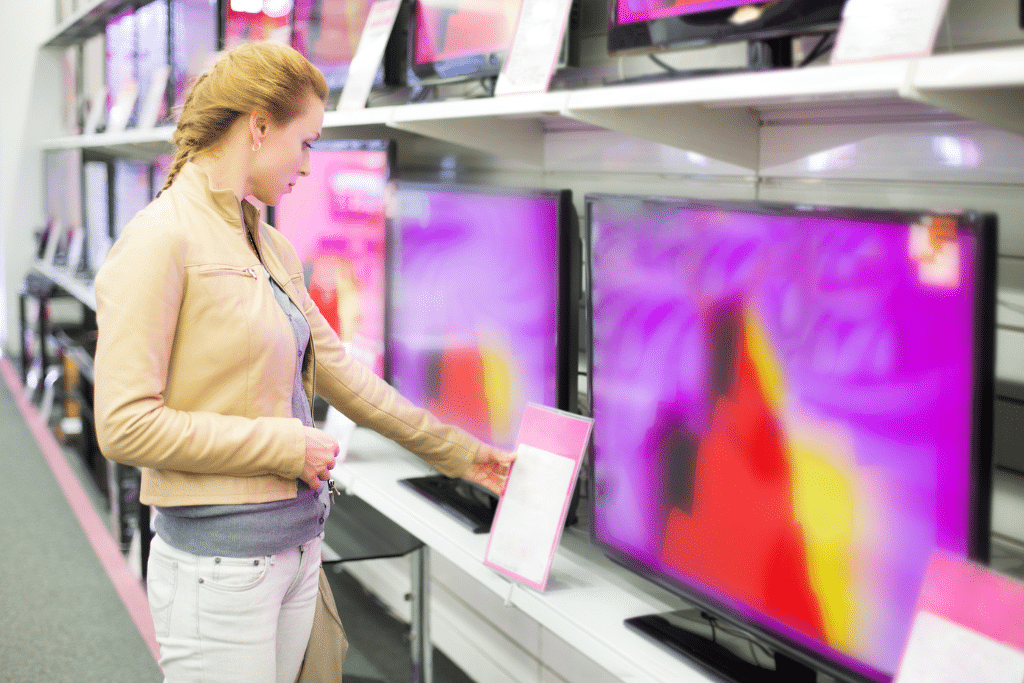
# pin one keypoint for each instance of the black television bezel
(569, 255)
(984, 226)
(400, 67)
(682, 31)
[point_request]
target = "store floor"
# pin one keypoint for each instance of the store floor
(69, 611)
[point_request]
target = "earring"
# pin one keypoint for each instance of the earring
(256, 146)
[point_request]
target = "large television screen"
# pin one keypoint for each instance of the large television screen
(481, 304)
(792, 411)
(335, 219)
(645, 25)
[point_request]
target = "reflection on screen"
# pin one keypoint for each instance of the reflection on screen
(474, 317)
(783, 409)
(335, 220)
(447, 29)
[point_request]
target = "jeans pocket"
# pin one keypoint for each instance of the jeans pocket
(161, 586)
(238, 573)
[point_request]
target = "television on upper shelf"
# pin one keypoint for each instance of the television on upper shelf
(250, 21)
(195, 38)
(121, 72)
(652, 25)
(327, 32)
(152, 62)
(457, 40)
(335, 219)
(792, 410)
(483, 304)
(132, 191)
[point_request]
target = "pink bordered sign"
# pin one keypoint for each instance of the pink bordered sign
(531, 514)
(969, 626)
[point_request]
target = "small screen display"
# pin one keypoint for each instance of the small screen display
(474, 304)
(449, 29)
(335, 220)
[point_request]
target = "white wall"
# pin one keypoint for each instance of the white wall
(29, 100)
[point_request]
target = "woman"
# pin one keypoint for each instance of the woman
(209, 352)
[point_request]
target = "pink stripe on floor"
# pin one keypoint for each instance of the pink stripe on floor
(126, 583)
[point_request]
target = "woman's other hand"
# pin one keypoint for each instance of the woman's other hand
(321, 456)
(490, 468)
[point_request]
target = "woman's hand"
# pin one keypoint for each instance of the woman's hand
(321, 456)
(490, 467)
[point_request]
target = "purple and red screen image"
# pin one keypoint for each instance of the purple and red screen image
(448, 29)
(335, 220)
(632, 11)
(327, 32)
(474, 305)
(783, 411)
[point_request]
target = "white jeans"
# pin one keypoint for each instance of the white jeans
(227, 619)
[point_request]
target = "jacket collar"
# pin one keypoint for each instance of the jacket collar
(196, 181)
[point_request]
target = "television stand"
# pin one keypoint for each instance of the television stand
(719, 649)
(467, 503)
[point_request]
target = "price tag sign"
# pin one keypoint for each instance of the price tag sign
(536, 45)
(887, 29)
(969, 626)
(369, 53)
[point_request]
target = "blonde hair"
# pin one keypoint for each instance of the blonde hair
(267, 75)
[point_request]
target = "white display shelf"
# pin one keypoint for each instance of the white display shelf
(88, 19)
(587, 597)
(132, 143)
(720, 117)
(80, 289)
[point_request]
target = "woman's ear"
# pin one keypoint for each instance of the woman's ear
(257, 127)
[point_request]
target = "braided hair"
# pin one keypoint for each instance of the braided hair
(265, 75)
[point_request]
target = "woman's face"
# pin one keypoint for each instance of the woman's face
(283, 155)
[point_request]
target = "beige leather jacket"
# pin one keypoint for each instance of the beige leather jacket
(195, 359)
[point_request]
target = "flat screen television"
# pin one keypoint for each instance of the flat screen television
(327, 32)
(132, 191)
(63, 235)
(650, 25)
(96, 192)
(152, 57)
(250, 21)
(455, 40)
(792, 409)
(195, 38)
(335, 219)
(483, 305)
(121, 71)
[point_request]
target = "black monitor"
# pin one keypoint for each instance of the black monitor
(638, 26)
(792, 410)
(447, 41)
(483, 304)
